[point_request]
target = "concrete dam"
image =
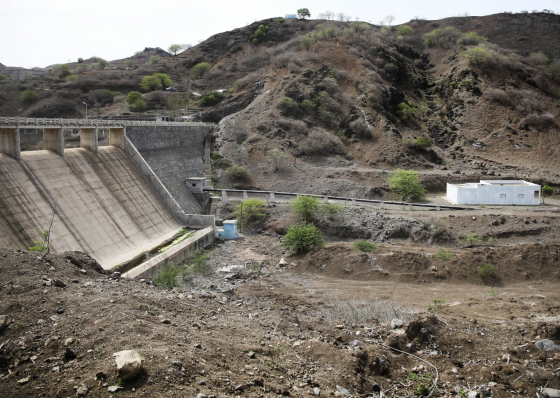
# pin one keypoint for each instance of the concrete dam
(106, 201)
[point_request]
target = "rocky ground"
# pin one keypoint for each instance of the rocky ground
(330, 322)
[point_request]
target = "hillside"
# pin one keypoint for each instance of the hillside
(346, 101)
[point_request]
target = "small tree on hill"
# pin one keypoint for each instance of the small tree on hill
(102, 64)
(174, 48)
(129, 63)
(276, 157)
(303, 12)
(546, 191)
(406, 185)
(301, 237)
(29, 96)
(132, 97)
(200, 70)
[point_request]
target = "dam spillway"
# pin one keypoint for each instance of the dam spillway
(102, 204)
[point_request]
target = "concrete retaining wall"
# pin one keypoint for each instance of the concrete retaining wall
(203, 239)
(174, 153)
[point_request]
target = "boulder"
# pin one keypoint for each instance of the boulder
(129, 364)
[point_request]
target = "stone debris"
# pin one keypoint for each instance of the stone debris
(547, 345)
(129, 364)
(343, 391)
(58, 283)
(113, 389)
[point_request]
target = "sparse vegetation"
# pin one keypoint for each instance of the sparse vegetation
(364, 246)
(486, 270)
(250, 211)
(406, 185)
(331, 210)
(238, 173)
(546, 191)
(41, 245)
(436, 305)
(199, 70)
(276, 157)
(302, 237)
(445, 254)
(305, 207)
(211, 99)
(29, 96)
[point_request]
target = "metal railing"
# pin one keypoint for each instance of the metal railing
(352, 200)
(24, 122)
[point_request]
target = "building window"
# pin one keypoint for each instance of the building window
(194, 185)
(520, 196)
(502, 196)
(536, 195)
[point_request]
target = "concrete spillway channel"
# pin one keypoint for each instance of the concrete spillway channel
(104, 201)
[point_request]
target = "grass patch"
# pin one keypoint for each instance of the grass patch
(444, 254)
(176, 241)
(358, 311)
(364, 246)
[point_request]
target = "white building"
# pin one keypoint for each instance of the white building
(495, 192)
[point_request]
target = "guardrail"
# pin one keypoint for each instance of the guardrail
(23, 122)
(352, 200)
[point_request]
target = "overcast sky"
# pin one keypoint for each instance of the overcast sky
(46, 32)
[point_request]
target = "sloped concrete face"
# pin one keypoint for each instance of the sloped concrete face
(174, 154)
(102, 204)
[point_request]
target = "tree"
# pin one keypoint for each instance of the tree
(389, 19)
(139, 105)
(80, 60)
(174, 48)
(303, 12)
(28, 96)
(129, 63)
(305, 207)
(276, 157)
(200, 70)
(132, 97)
(546, 191)
(176, 102)
(341, 16)
(302, 236)
(150, 83)
(329, 15)
(406, 185)
(102, 64)
(154, 59)
(404, 30)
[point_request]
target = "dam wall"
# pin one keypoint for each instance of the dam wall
(99, 203)
(174, 153)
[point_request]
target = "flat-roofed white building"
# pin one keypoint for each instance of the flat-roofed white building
(495, 192)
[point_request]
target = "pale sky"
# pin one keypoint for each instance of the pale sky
(45, 32)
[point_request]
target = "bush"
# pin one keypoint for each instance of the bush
(364, 246)
(237, 173)
(546, 191)
(276, 157)
(404, 111)
(250, 211)
(331, 209)
(479, 56)
(360, 129)
(200, 70)
(29, 96)
(499, 96)
(259, 34)
(445, 254)
(139, 105)
(132, 97)
(198, 263)
(219, 162)
(486, 270)
(150, 83)
(42, 244)
(404, 30)
(302, 236)
(211, 99)
(305, 207)
(154, 59)
(472, 39)
(289, 107)
(167, 276)
(406, 185)
(321, 142)
(424, 143)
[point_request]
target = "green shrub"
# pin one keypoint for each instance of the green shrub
(472, 38)
(42, 244)
(406, 185)
(479, 56)
(444, 254)
(198, 263)
(154, 59)
(404, 30)
(364, 246)
(486, 270)
(472, 238)
(237, 173)
(150, 83)
(211, 99)
(200, 70)
(219, 162)
(29, 96)
(167, 276)
(281, 20)
(133, 96)
(424, 142)
(404, 111)
(302, 236)
(289, 107)
(331, 209)
(259, 34)
(139, 105)
(250, 211)
(305, 207)
(546, 191)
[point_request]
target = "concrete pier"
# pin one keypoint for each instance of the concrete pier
(224, 197)
(116, 137)
(54, 140)
(88, 139)
(9, 143)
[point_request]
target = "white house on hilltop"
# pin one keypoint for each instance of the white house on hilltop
(495, 192)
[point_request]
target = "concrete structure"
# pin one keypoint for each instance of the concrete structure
(196, 184)
(229, 231)
(174, 154)
(105, 201)
(495, 192)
